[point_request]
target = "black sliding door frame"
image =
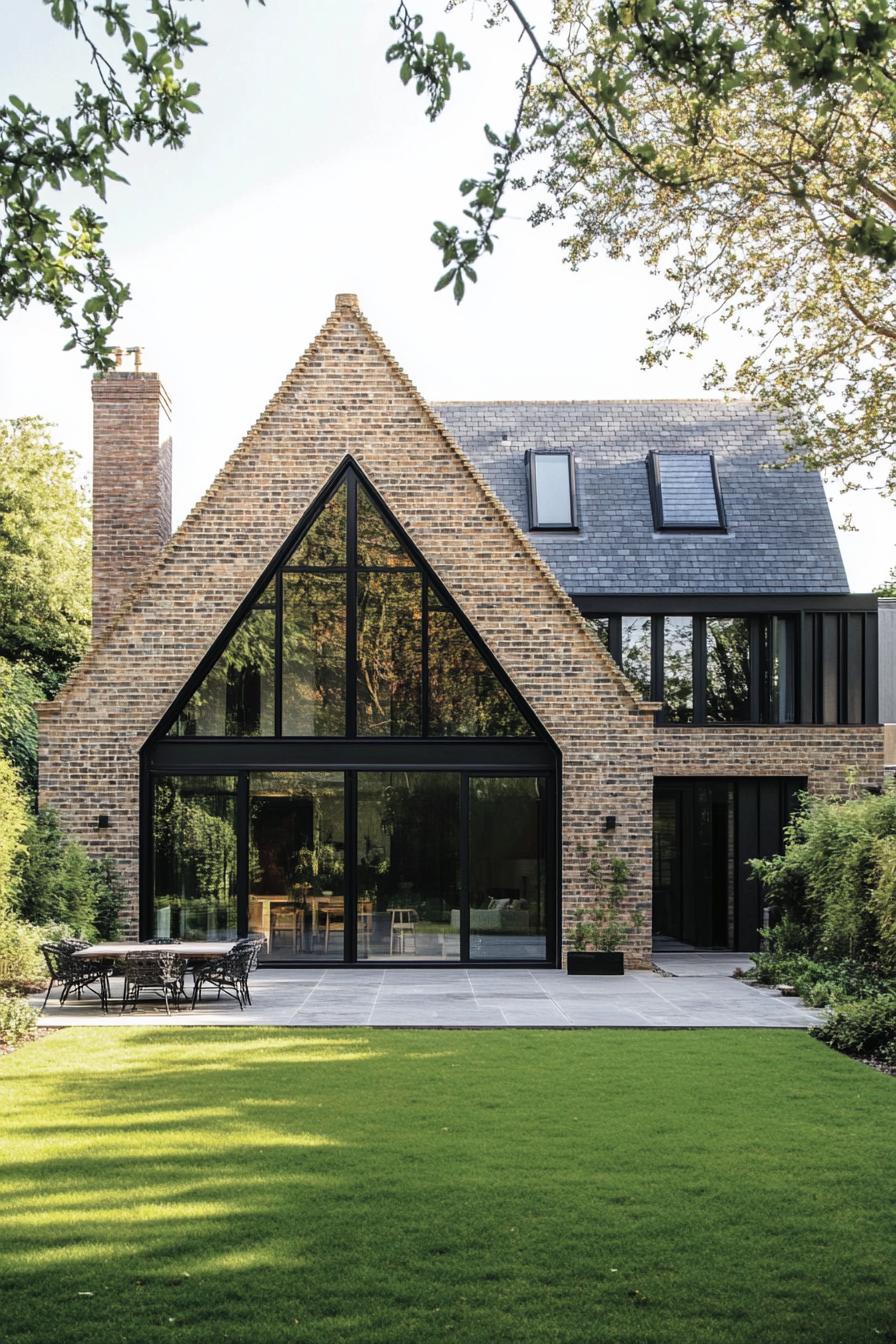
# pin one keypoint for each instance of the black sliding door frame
(542, 765)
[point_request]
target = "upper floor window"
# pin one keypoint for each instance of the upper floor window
(685, 492)
(352, 637)
(552, 491)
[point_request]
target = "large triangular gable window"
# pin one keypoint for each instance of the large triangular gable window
(352, 637)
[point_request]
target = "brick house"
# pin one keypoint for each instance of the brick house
(407, 675)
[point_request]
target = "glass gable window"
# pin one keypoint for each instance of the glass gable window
(352, 638)
(685, 492)
(349, 776)
(552, 490)
(236, 698)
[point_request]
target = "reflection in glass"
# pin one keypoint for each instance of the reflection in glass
(636, 652)
(783, 669)
(297, 864)
(313, 655)
(323, 545)
(194, 857)
(390, 654)
(727, 669)
(678, 668)
(508, 876)
(381, 632)
(377, 544)
(236, 697)
(553, 493)
(466, 699)
(601, 627)
(408, 866)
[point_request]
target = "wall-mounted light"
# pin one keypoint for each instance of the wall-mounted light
(102, 822)
(609, 823)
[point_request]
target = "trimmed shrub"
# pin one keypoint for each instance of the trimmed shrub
(866, 1028)
(17, 1019)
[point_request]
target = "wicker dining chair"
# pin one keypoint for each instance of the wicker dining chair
(229, 975)
(74, 973)
(157, 971)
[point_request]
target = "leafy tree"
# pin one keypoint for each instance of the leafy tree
(888, 587)
(746, 151)
(136, 92)
(44, 580)
(13, 825)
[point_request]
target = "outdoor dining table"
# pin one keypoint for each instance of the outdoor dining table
(117, 951)
(121, 951)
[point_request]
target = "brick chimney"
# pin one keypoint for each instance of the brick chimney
(131, 484)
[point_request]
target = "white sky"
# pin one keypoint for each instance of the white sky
(313, 172)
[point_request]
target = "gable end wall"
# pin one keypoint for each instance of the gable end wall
(347, 396)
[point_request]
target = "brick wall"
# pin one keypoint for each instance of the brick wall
(347, 395)
(131, 486)
(829, 756)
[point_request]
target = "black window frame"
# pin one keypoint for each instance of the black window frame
(352, 474)
(533, 755)
(532, 490)
(654, 481)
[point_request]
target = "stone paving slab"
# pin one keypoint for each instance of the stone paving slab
(466, 998)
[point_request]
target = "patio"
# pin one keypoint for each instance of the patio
(684, 997)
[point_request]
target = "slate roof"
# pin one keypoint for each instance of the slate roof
(780, 537)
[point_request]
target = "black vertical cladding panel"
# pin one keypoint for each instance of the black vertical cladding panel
(871, 708)
(829, 668)
(746, 887)
(853, 688)
(698, 911)
(242, 854)
(657, 652)
(806, 705)
(699, 669)
(719, 902)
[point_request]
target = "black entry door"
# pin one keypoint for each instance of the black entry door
(705, 832)
(668, 861)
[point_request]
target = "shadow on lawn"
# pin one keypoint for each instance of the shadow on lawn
(344, 1187)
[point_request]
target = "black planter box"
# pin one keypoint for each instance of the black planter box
(594, 963)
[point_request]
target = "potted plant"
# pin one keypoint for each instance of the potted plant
(600, 928)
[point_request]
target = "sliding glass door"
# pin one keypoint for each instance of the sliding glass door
(378, 865)
(508, 868)
(409, 866)
(297, 887)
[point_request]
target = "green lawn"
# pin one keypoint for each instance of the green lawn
(407, 1187)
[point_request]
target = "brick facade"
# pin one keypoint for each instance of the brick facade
(131, 486)
(348, 396)
(829, 755)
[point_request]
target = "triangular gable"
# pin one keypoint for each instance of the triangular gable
(348, 633)
(347, 394)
